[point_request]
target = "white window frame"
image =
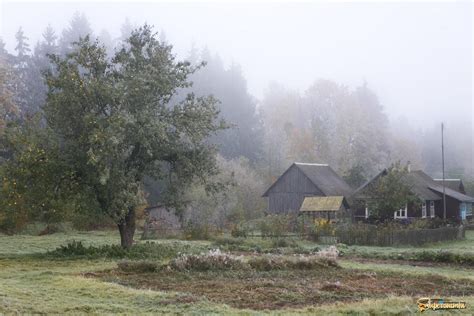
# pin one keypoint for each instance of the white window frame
(423, 210)
(432, 209)
(401, 213)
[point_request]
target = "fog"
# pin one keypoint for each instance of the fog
(417, 57)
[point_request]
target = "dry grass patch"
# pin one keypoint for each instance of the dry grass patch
(289, 288)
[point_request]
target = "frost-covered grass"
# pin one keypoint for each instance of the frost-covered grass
(37, 284)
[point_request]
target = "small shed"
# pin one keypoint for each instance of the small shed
(161, 222)
(332, 208)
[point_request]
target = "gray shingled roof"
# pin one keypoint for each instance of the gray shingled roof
(453, 184)
(323, 177)
(326, 179)
(454, 194)
(419, 183)
(423, 186)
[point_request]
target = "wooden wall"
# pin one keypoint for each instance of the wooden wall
(288, 193)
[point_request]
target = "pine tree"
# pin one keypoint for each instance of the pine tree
(79, 27)
(22, 46)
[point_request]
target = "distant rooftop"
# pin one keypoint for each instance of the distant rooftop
(312, 164)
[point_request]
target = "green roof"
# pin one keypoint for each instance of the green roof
(322, 203)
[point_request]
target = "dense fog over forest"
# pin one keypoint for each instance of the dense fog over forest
(352, 84)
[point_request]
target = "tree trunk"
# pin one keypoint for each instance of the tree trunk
(127, 229)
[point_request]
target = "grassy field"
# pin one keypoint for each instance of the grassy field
(30, 284)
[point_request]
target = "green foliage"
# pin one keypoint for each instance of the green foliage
(283, 242)
(240, 230)
(428, 223)
(197, 231)
(390, 193)
(392, 234)
(274, 225)
(141, 266)
(111, 122)
(355, 176)
(440, 256)
(77, 250)
(31, 179)
(238, 202)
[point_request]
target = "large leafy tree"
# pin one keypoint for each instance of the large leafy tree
(115, 123)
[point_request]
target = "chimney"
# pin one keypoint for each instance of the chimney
(409, 166)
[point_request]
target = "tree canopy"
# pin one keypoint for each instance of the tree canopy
(112, 123)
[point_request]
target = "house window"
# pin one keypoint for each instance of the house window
(423, 210)
(401, 213)
(432, 209)
(469, 209)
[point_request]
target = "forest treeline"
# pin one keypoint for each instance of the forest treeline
(328, 122)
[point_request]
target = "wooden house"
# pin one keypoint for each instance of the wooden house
(430, 193)
(301, 180)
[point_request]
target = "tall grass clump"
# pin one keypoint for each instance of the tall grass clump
(211, 261)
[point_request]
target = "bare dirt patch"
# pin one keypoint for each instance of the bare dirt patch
(406, 262)
(289, 288)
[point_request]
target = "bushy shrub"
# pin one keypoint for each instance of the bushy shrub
(211, 261)
(76, 249)
(266, 263)
(240, 230)
(141, 266)
(428, 223)
(198, 231)
(280, 242)
(442, 256)
(285, 242)
(275, 225)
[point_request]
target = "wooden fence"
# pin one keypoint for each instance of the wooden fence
(371, 235)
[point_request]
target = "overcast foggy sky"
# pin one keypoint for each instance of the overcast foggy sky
(416, 56)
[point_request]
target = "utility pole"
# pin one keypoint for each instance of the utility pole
(442, 161)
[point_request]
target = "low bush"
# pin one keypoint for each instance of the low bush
(148, 250)
(429, 223)
(275, 225)
(240, 230)
(197, 231)
(442, 256)
(141, 266)
(266, 263)
(281, 242)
